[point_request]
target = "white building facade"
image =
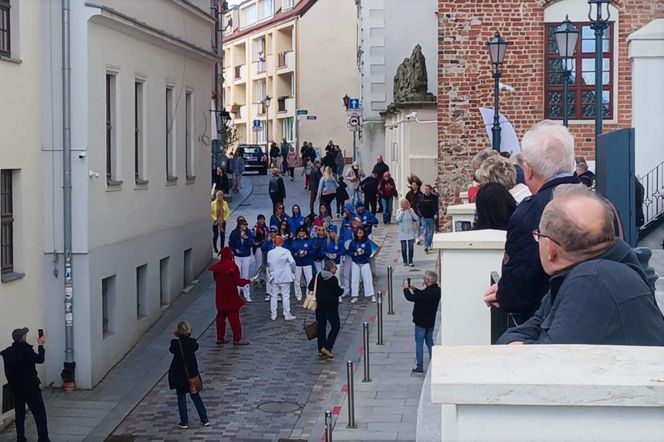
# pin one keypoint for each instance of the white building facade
(21, 205)
(387, 33)
(142, 76)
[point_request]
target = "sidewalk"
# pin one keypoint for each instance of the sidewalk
(386, 407)
(93, 414)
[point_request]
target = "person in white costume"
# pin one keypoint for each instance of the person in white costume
(280, 274)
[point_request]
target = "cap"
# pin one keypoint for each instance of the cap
(332, 228)
(18, 334)
(359, 204)
(274, 228)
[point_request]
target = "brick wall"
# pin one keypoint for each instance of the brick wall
(465, 82)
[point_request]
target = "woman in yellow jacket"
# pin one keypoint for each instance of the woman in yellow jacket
(220, 212)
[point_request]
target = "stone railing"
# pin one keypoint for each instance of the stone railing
(463, 216)
(549, 393)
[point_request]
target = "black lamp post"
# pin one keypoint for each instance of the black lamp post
(566, 37)
(599, 15)
(497, 48)
(266, 103)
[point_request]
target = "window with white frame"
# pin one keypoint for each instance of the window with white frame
(248, 16)
(261, 136)
(287, 129)
(139, 132)
(265, 9)
(261, 91)
(112, 161)
(5, 28)
(287, 4)
(189, 136)
(170, 136)
(7, 218)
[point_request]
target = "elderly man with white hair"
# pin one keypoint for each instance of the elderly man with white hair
(548, 161)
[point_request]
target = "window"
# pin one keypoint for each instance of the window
(170, 136)
(287, 129)
(188, 269)
(107, 298)
(6, 223)
(164, 281)
(188, 137)
(261, 91)
(5, 29)
(248, 16)
(139, 169)
(581, 84)
(265, 9)
(287, 4)
(111, 131)
(141, 291)
(261, 136)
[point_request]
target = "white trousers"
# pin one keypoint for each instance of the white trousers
(245, 263)
(318, 265)
(284, 289)
(346, 269)
(299, 271)
(362, 271)
(259, 257)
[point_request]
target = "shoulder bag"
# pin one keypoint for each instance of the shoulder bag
(311, 327)
(195, 383)
(310, 301)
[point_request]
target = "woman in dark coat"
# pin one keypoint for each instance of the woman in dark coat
(183, 367)
(327, 294)
(227, 278)
(494, 206)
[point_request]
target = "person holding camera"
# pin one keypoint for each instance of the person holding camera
(424, 315)
(21, 374)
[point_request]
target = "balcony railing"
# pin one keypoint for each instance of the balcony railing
(281, 104)
(282, 59)
(653, 195)
(238, 72)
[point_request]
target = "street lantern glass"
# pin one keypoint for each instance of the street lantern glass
(267, 100)
(566, 36)
(497, 48)
(346, 100)
(225, 117)
(597, 11)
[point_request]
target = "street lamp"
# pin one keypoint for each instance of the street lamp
(566, 36)
(346, 100)
(266, 103)
(497, 47)
(599, 15)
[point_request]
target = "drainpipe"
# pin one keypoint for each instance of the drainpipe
(69, 370)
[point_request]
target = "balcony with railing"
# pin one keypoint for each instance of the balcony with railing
(240, 73)
(286, 61)
(653, 195)
(285, 107)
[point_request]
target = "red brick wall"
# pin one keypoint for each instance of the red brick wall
(465, 82)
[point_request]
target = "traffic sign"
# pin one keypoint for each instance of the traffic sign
(257, 127)
(311, 117)
(354, 103)
(299, 112)
(354, 112)
(354, 123)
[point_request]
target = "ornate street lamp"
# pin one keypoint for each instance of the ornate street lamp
(266, 103)
(566, 37)
(497, 47)
(346, 100)
(599, 14)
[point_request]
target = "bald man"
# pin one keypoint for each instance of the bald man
(598, 292)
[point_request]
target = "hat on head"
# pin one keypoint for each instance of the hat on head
(278, 241)
(356, 164)
(358, 219)
(274, 228)
(332, 228)
(18, 334)
(359, 204)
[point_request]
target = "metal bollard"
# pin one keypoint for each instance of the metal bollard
(351, 395)
(379, 317)
(328, 426)
(367, 367)
(390, 290)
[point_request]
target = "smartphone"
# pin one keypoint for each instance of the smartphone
(40, 332)
(408, 282)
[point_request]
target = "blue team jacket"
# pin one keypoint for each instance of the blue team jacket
(241, 247)
(334, 250)
(303, 252)
(354, 251)
(368, 221)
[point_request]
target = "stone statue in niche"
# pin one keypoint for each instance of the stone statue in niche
(410, 81)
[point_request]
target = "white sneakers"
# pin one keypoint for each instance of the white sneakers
(353, 300)
(373, 298)
(289, 317)
(274, 317)
(248, 298)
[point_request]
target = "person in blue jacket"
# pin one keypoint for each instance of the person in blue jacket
(368, 219)
(319, 240)
(279, 215)
(296, 219)
(285, 233)
(347, 215)
(241, 241)
(335, 251)
(359, 251)
(302, 249)
(268, 245)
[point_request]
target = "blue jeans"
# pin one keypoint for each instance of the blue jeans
(422, 335)
(407, 250)
(427, 225)
(198, 403)
(387, 209)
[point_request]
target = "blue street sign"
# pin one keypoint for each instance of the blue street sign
(257, 123)
(354, 103)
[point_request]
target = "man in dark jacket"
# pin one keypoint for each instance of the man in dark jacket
(21, 374)
(599, 295)
(314, 181)
(428, 208)
(285, 147)
(328, 293)
(424, 315)
(379, 169)
(369, 187)
(548, 161)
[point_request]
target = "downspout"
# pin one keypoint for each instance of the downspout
(69, 370)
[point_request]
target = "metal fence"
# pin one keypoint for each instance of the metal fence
(653, 196)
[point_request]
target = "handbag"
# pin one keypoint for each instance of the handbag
(195, 383)
(310, 301)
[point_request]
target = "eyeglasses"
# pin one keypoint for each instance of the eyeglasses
(537, 235)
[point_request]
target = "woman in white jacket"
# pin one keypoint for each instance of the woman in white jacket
(353, 176)
(408, 227)
(280, 273)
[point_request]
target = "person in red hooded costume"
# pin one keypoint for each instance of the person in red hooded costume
(227, 278)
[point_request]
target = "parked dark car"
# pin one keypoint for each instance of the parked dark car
(254, 158)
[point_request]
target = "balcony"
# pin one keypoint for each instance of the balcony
(240, 113)
(286, 61)
(259, 67)
(240, 74)
(285, 107)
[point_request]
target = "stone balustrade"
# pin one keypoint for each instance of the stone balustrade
(463, 216)
(552, 393)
